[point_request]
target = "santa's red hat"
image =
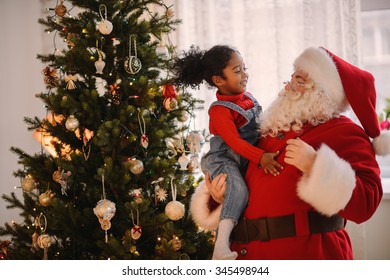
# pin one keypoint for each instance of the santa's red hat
(346, 84)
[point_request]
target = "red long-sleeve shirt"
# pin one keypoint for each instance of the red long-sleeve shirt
(225, 122)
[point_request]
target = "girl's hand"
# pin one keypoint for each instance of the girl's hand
(217, 187)
(269, 164)
(300, 154)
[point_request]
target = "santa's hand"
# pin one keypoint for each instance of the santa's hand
(217, 187)
(300, 154)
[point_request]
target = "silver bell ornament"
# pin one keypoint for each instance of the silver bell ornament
(72, 123)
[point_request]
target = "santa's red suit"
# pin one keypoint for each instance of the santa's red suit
(295, 213)
(345, 173)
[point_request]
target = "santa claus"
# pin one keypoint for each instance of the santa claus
(330, 172)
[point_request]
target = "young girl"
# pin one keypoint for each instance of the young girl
(233, 123)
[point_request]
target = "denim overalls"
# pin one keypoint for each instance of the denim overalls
(222, 159)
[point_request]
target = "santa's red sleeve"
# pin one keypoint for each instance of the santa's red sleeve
(345, 177)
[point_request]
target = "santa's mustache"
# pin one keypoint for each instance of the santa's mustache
(291, 109)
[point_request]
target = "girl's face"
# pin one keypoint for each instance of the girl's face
(235, 79)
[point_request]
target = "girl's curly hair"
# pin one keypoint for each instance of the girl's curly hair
(196, 65)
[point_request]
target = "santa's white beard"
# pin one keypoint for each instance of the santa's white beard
(292, 109)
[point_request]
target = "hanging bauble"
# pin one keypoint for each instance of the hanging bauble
(99, 65)
(184, 116)
(162, 51)
(132, 65)
(104, 211)
(60, 10)
(44, 241)
(136, 166)
(136, 232)
(46, 198)
(105, 26)
(174, 210)
(170, 103)
(195, 141)
(72, 123)
(28, 184)
(183, 161)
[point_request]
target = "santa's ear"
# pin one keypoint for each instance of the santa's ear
(217, 80)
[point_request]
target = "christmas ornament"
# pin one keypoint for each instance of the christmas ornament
(28, 183)
(136, 230)
(183, 161)
(175, 243)
(142, 127)
(105, 27)
(43, 241)
(174, 209)
(50, 77)
(60, 10)
(61, 177)
(72, 123)
(195, 141)
(162, 51)
(4, 249)
(99, 64)
(70, 79)
(104, 211)
(170, 101)
(115, 93)
(184, 116)
(46, 198)
(132, 64)
(137, 194)
(136, 166)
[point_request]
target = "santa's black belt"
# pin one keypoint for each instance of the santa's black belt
(266, 229)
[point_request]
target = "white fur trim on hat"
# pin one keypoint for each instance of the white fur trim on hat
(201, 214)
(322, 70)
(330, 184)
(382, 143)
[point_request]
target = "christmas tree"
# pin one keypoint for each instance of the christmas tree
(116, 169)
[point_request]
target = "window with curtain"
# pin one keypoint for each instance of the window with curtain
(269, 34)
(376, 59)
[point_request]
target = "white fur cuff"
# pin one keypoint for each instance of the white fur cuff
(200, 212)
(329, 186)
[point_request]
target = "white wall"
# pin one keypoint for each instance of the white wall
(20, 80)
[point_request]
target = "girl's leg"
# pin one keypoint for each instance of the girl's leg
(222, 244)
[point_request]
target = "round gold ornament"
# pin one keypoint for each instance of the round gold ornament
(170, 103)
(28, 184)
(44, 241)
(136, 166)
(46, 198)
(60, 10)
